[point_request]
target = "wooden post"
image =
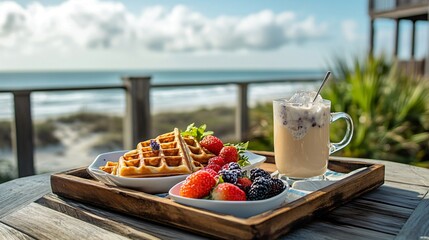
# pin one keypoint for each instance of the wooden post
(427, 54)
(413, 40)
(137, 121)
(395, 50)
(23, 144)
(371, 6)
(242, 113)
(371, 38)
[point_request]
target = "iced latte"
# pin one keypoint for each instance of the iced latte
(301, 135)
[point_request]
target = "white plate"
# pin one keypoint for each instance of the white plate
(149, 185)
(242, 209)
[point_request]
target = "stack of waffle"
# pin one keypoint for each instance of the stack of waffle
(166, 155)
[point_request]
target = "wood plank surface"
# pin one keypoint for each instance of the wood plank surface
(367, 218)
(43, 223)
(8, 233)
(121, 224)
(330, 231)
(398, 172)
(420, 218)
(20, 192)
(394, 201)
(397, 194)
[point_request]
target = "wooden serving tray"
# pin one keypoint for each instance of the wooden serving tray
(79, 185)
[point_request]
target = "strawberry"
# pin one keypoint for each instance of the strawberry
(212, 172)
(215, 167)
(212, 143)
(228, 192)
(197, 185)
(244, 183)
(229, 154)
(217, 160)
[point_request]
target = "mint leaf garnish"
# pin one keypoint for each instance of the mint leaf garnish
(197, 132)
(243, 161)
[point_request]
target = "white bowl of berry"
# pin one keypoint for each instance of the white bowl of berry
(231, 191)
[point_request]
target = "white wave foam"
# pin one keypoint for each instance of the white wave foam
(48, 104)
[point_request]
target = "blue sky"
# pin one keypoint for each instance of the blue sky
(191, 34)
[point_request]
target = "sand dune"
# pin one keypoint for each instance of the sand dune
(74, 151)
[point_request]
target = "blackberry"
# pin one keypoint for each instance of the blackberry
(258, 172)
(233, 165)
(257, 192)
(277, 186)
(240, 173)
(259, 189)
(262, 181)
(230, 176)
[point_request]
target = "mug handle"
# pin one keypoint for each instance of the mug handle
(333, 147)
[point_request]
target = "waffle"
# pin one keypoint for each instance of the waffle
(166, 155)
(110, 167)
(196, 152)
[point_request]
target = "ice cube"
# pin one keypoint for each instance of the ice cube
(303, 97)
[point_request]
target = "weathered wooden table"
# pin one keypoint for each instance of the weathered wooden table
(398, 209)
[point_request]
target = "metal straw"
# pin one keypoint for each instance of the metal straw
(323, 83)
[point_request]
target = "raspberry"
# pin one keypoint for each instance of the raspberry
(226, 167)
(212, 172)
(230, 176)
(215, 167)
(229, 192)
(258, 172)
(244, 184)
(217, 160)
(277, 186)
(197, 185)
(260, 189)
(229, 154)
(212, 143)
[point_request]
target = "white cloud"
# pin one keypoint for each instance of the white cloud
(349, 30)
(88, 24)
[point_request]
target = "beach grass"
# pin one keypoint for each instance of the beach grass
(7, 171)
(5, 134)
(44, 134)
(390, 110)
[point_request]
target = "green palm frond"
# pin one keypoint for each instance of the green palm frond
(390, 110)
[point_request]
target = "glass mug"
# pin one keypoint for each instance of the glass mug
(301, 137)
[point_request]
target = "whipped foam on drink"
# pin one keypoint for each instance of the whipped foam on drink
(300, 113)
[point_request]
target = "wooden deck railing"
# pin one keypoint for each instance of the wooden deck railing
(137, 120)
(388, 5)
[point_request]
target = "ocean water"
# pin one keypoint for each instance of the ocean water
(51, 104)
